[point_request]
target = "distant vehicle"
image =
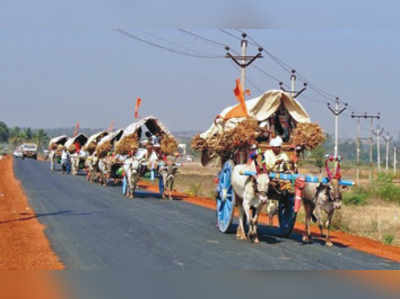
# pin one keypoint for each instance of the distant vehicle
(18, 153)
(29, 150)
(188, 158)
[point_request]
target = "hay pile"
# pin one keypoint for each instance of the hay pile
(53, 146)
(242, 136)
(103, 149)
(91, 147)
(127, 144)
(71, 149)
(309, 135)
(168, 145)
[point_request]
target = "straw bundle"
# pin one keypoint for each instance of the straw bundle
(168, 144)
(91, 147)
(243, 135)
(309, 135)
(71, 149)
(103, 149)
(53, 146)
(127, 144)
(198, 143)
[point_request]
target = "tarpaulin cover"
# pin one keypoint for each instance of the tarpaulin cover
(261, 108)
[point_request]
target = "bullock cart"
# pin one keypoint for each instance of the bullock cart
(150, 150)
(231, 139)
(56, 145)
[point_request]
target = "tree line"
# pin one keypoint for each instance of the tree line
(16, 135)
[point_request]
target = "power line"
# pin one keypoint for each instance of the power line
(202, 38)
(153, 44)
(195, 52)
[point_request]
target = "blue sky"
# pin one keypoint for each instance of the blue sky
(61, 62)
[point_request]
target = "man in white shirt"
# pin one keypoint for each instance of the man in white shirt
(65, 161)
(274, 158)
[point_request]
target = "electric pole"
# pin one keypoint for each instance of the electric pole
(243, 61)
(378, 133)
(387, 139)
(395, 160)
(336, 112)
(359, 117)
(293, 92)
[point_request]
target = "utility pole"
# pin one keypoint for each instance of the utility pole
(387, 139)
(378, 133)
(293, 92)
(336, 112)
(243, 61)
(395, 160)
(359, 117)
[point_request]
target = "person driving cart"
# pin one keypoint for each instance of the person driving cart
(275, 159)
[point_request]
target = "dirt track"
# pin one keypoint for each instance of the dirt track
(23, 245)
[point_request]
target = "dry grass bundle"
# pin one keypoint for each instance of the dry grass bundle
(71, 149)
(309, 135)
(127, 144)
(168, 145)
(103, 149)
(91, 147)
(198, 143)
(53, 146)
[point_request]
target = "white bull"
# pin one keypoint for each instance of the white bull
(251, 194)
(132, 174)
(76, 158)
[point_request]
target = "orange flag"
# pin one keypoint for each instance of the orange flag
(111, 127)
(76, 131)
(239, 110)
(138, 102)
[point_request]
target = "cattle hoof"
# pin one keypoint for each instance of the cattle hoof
(328, 243)
(256, 240)
(306, 240)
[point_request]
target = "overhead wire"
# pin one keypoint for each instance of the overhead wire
(153, 44)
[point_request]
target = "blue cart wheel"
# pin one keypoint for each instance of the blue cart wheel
(160, 185)
(124, 186)
(225, 198)
(287, 217)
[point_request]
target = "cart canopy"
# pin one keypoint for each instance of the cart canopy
(96, 137)
(59, 140)
(262, 108)
(80, 138)
(113, 136)
(153, 124)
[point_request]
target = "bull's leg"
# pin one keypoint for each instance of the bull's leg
(171, 187)
(319, 218)
(240, 232)
(308, 211)
(247, 211)
(328, 241)
(255, 221)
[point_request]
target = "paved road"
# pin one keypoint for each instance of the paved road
(92, 227)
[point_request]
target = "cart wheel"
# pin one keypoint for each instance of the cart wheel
(225, 198)
(287, 217)
(160, 185)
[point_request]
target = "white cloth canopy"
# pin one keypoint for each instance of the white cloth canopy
(261, 108)
(95, 136)
(81, 138)
(112, 136)
(59, 140)
(152, 123)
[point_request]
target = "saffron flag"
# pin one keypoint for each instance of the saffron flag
(76, 131)
(239, 110)
(138, 102)
(111, 127)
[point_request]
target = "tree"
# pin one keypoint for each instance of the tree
(4, 132)
(318, 157)
(28, 133)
